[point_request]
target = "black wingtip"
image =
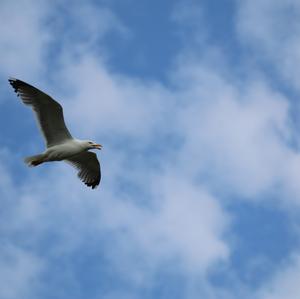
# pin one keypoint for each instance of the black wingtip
(93, 185)
(12, 80)
(15, 83)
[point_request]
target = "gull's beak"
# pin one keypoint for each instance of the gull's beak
(97, 146)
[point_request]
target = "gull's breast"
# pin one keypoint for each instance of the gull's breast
(63, 151)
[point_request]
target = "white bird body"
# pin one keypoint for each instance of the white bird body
(64, 150)
(60, 145)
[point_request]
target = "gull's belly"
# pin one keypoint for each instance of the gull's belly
(62, 151)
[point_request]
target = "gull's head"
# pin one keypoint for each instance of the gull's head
(92, 145)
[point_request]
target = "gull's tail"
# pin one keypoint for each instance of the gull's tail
(34, 160)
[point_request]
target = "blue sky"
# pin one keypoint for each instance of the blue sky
(196, 105)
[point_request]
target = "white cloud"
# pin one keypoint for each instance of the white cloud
(232, 136)
(285, 283)
(179, 222)
(272, 28)
(192, 222)
(136, 107)
(80, 28)
(237, 136)
(22, 40)
(31, 29)
(19, 271)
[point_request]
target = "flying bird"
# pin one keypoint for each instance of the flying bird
(60, 145)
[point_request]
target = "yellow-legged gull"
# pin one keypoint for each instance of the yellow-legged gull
(60, 145)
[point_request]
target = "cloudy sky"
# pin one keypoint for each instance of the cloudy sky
(197, 106)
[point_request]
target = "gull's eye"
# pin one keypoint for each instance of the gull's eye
(90, 142)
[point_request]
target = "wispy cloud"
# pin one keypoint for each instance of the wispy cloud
(284, 283)
(19, 272)
(22, 40)
(271, 29)
(177, 157)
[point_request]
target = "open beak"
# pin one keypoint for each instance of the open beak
(97, 146)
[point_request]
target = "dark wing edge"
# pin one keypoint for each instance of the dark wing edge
(52, 125)
(19, 84)
(88, 166)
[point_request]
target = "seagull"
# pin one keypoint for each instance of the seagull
(60, 145)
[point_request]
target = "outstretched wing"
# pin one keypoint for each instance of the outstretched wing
(49, 113)
(88, 168)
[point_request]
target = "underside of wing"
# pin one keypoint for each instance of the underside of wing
(49, 113)
(88, 168)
